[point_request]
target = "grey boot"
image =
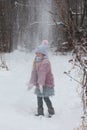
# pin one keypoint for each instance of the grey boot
(51, 111)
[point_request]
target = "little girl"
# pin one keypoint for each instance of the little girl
(42, 78)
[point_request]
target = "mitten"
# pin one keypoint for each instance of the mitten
(41, 88)
(30, 86)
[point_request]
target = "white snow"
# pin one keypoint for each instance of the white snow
(18, 105)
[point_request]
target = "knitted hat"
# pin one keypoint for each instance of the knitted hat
(42, 48)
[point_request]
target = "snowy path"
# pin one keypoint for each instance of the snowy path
(17, 105)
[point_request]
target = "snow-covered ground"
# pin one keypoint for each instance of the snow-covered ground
(18, 105)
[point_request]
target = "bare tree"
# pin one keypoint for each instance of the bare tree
(73, 15)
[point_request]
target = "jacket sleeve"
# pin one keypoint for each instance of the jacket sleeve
(33, 77)
(44, 69)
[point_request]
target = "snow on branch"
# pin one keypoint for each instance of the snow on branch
(50, 24)
(27, 4)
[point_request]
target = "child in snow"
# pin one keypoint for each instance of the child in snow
(42, 78)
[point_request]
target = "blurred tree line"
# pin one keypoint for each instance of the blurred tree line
(73, 14)
(69, 16)
(12, 21)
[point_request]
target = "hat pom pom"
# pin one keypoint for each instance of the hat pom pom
(43, 48)
(45, 42)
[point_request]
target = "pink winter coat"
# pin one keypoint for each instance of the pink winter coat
(43, 76)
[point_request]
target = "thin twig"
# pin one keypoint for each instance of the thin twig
(72, 77)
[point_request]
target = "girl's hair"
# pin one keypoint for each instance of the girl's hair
(34, 63)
